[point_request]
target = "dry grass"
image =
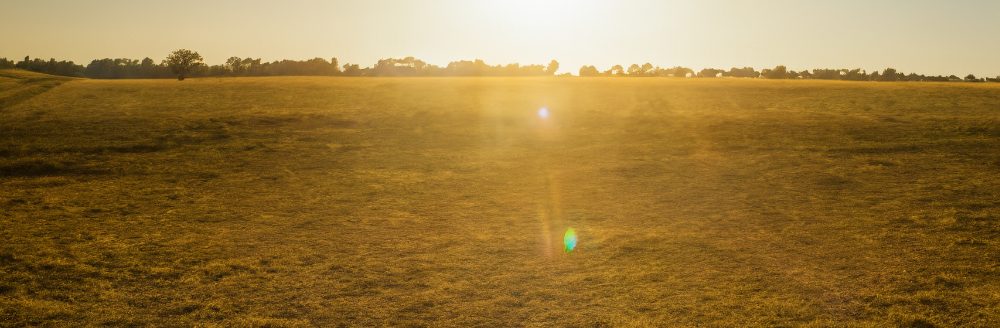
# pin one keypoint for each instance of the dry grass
(441, 202)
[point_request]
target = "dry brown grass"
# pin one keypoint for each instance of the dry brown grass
(442, 201)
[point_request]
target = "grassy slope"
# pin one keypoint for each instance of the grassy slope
(19, 85)
(317, 201)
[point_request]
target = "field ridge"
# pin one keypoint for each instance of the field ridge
(19, 86)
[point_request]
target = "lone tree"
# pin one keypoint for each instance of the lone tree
(552, 68)
(182, 61)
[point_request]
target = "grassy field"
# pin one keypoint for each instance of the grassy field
(443, 201)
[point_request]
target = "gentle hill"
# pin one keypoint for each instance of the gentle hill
(20, 74)
(19, 85)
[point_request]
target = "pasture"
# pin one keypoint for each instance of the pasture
(298, 201)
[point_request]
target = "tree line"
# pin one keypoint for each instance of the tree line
(778, 72)
(185, 63)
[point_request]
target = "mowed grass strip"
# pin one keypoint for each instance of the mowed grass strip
(299, 201)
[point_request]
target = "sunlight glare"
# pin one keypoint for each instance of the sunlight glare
(543, 113)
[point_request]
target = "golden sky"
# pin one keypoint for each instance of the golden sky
(930, 37)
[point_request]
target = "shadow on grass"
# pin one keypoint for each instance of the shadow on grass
(42, 167)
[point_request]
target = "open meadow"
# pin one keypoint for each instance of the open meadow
(325, 201)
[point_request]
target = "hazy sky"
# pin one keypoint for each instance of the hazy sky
(931, 37)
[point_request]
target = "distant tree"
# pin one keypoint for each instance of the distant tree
(106, 68)
(315, 66)
(875, 76)
(253, 66)
(216, 70)
(743, 72)
(234, 65)
(889, 75)
(826, 74)
(676, 71)
(334, 63)
(856, 74)
(647, 69)
(51, 66)
(411, 66)
(616, 70)
(182, 62)
(352, 69)
(467, 68)
(408, 66)
(972, 78)
(531, 70)
(552, 68)
(634, 70)
(779, 72)
(710, 72)
(589, 71)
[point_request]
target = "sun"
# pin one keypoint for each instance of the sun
(549, 18)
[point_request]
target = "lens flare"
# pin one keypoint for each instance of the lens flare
(543, 113)
(569, 240)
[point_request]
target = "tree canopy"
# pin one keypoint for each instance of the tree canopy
(182, 62)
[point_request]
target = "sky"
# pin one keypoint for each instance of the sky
(929, 37)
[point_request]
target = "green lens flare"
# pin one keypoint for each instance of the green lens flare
(569, 240)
